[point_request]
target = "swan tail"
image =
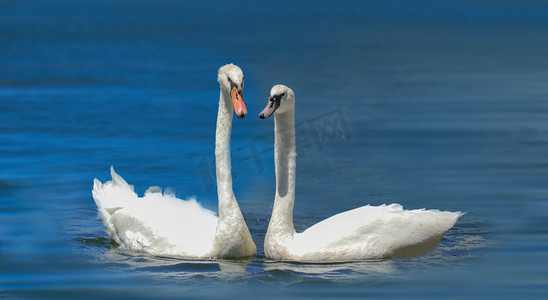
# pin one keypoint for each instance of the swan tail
(110, 197)
(445, 220)
(427, 231)
(430, 221)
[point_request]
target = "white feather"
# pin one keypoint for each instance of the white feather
(157, 223)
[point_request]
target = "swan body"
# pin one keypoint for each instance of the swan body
(367, 232)
(161, 224)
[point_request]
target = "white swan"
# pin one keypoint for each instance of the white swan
(368, 232)
(163, 225)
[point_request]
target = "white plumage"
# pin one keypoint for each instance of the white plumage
(367, 232)
(163, 225)
(157, 223)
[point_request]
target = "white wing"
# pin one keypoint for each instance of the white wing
(371, 232)
(157, 223)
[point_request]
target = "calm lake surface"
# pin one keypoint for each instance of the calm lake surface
(435, 104)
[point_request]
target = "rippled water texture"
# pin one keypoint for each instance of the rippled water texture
(435, 104)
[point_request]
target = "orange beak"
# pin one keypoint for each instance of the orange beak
(238, 101)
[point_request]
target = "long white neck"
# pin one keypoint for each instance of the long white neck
(232, 237)
(227, 201)
(285, 156)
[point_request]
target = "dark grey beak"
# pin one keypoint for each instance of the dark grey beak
(273, 104)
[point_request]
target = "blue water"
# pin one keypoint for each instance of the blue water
(436, 104)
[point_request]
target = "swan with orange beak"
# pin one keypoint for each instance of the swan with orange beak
(163, 225)
(231, 79)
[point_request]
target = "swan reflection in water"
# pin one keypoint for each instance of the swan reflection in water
(179, 267)
(229, 269)
(340, 271)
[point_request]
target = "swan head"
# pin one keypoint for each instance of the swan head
(231, 79)
(281, 99)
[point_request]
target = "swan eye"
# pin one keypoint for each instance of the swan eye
(232, 84)
(279, 97)
(276, 100)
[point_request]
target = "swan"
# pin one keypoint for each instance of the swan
(163, 225)
(367, 232)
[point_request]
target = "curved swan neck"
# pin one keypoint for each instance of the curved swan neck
(232, 238)
(227, 201)
(285, 155)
